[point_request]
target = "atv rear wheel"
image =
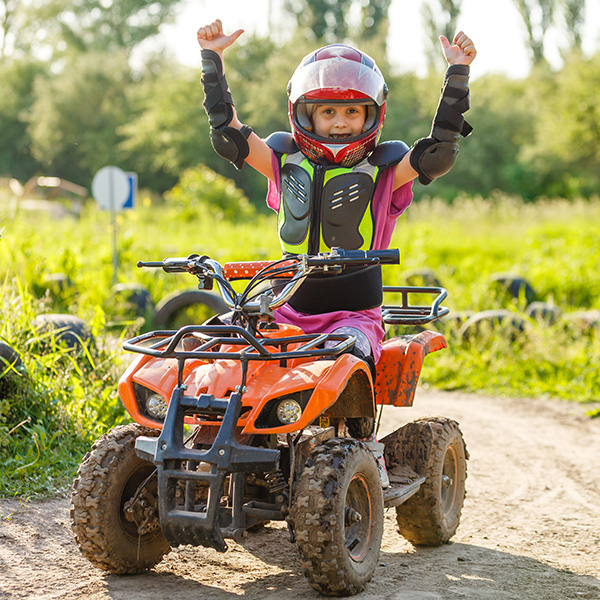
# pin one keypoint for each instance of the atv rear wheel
(114, 504)
(337, 517)
(431, 517)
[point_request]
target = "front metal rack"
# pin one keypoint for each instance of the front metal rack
(212, 337)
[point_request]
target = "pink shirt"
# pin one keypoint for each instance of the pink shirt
(388, 205)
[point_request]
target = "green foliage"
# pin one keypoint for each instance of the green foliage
(201, 193)
(53, 406)
(548, 362)
(326, 20)
(567, 135)
(169, 130)
(503, 121)
(71, 27)
(553, 245)
(17, 78)
(76, 116)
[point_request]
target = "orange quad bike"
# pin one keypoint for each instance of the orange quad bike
(243, 420)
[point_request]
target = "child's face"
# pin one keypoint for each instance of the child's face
(338, 121)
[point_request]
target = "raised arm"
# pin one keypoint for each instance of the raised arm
(434, 156)
(230, 138)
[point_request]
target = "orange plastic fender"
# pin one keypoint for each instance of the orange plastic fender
(339, 379)
(399, 366)
(126, 392)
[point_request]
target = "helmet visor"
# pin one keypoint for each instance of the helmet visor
(337, 79)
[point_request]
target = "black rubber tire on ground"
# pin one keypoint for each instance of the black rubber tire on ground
(8, 357)
(452, 322)
(482, 324)
(514, 286)
(544, 313)
(108, 478)
(132, 299)
(431, 517)
(170, 306)
(338, 552)
(69, 330)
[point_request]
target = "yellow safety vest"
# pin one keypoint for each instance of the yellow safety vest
(323, 207)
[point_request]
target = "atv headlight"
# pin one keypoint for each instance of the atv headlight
(156, 406)
(289, 411)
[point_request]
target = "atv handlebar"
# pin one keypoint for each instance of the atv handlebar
(295, 268)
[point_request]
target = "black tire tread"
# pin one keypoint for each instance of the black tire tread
(420, 519)
(170, 305)
(91, 523)
(323, 558)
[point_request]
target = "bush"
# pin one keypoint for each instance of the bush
(201, 194)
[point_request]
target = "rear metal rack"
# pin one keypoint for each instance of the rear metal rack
(407, 314)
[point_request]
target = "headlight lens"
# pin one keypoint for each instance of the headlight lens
(289, 411)
(156, 406)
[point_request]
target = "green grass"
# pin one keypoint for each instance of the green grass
(52, 410)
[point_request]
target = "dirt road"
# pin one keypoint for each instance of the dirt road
(530, 527)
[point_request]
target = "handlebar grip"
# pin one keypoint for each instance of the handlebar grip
(388, 257)
(152, 264)
(169, 265)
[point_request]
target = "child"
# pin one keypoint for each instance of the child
(330, 182)
(337, 99)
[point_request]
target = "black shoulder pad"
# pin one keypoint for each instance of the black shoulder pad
(388, 154)
(282, 142)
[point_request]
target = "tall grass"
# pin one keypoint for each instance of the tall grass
(60, 401)
(53, 404)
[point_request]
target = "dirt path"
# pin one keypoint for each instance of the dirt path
(530, 528)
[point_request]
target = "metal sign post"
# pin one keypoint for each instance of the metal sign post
(111, 188)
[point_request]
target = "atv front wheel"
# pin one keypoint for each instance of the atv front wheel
(114, 504)
(337, 517)
(431, 517)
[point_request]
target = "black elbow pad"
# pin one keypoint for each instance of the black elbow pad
(432, 159)
(231, 143)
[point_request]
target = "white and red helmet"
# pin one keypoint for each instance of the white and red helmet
(336, 74)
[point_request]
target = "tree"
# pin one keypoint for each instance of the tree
(439, 20)
(330, 21)
(574, 17)
(326, 19)
(8, 10)
(537, 17)
(76, 116)
(566, 146)
(375, 19)
(18, 77)
(60, 27)
(169, 131)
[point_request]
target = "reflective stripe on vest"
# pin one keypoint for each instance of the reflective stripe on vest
(324, 207)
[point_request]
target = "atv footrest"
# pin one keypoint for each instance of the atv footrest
(398, 493)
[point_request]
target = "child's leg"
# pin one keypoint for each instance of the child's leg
(362, 349)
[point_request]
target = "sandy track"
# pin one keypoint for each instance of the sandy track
(530, 527)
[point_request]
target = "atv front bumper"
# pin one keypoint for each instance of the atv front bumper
(183, 519)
